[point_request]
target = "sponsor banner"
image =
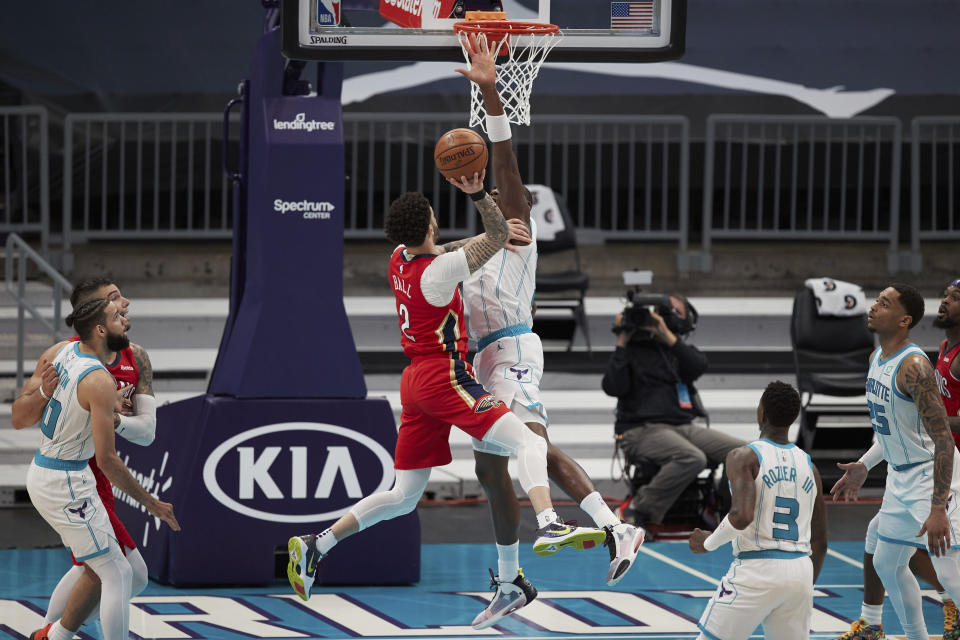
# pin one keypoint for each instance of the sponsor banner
(408, 13)
(300, 122)
(310, 210)
(251, 473)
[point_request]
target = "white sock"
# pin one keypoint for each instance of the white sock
(58, 632)
(508, 561)
(944, 597)
(872, 613)
(597, 509)
(547, 516)
(326, 541)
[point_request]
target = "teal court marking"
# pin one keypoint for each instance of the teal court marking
(660, 599)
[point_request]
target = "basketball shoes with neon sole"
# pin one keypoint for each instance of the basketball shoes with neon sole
(302, 567)
(509, 597)
(623, 541)
(560, 535)
(951, 626)
(860, 630)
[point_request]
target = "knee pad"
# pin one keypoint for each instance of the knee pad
(139, 570)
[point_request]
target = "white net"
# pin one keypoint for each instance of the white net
(515, 76)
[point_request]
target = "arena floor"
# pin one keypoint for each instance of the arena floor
(661, 598)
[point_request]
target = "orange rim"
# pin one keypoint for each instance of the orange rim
(497, 28)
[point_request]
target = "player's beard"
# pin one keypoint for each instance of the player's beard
(117, 341)
(944, 323)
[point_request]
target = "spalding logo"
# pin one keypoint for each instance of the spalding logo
(486, 403)
(253, 470)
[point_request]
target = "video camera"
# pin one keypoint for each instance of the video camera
(636, 313)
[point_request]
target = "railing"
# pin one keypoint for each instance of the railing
(802, 178)
(18, 250)
(144, 175)
(622, 176)
(24, 172)
(934, 176)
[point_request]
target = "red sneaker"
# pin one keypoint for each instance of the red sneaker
(41, 634)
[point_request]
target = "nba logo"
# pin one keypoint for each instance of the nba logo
(328, 13)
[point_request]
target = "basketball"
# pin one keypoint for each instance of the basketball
(460, 152)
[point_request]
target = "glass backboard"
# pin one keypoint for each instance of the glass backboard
(592, 30)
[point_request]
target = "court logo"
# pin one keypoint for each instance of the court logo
(486, 403)
(284, 472)
(300, 123)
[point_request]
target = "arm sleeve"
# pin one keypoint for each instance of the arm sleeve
(616, 379)
(691, 363)
(441, 277)
(872, 457)
(140, 428)
(722, 535)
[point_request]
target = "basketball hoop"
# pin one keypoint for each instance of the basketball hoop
(525, 45)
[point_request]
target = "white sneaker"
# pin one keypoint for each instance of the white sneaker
(509, 597)
(624, 541)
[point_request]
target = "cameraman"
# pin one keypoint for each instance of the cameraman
(651, 373)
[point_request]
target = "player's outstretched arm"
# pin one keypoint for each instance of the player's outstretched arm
(916, 377)
(28, 407)
(855, 474)
(97, 393)
(140, 427)
(481, 248)
(483, 72)
(519, 236)
(818, 528)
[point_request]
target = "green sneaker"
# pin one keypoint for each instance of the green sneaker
(558, 535)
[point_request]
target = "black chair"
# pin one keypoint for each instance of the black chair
(705, 500)
(830, 357)
(563, 289)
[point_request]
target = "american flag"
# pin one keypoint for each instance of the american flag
(631, 15)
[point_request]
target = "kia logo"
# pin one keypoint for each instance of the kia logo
(281, 473)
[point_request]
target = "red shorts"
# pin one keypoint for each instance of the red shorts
(105, 490)
(437, 393)
(956, 439)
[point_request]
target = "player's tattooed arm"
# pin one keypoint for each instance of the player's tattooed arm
(496, 232)
(453, 246)
(916, 378)
(144, 370)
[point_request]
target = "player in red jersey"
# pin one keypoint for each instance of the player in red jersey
(438, 388)
(947, 373)
(135, 421)
(947, 370)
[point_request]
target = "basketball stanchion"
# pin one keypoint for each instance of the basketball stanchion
(525, 45)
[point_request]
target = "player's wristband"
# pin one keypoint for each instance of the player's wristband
(872, 457)
(498, 128)
(723, 534)
(45, 396)
(478, 196)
